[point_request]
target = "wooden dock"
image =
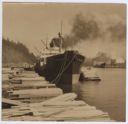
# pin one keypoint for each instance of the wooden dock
(31, 98)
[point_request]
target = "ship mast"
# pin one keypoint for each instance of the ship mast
(46, 42)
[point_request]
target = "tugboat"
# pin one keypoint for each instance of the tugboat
(102, 65)
(88, 74)
(84, 78)
(62, 69)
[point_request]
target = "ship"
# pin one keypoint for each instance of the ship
(101, 65)
(89, 74)
(62, 69)
(84, 78)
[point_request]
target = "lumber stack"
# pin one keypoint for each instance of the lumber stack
(63, 107)
(35, 95)
(28, 87)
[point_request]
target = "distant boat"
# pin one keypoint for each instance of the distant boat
(102, 65)
(84, 78)
(88, 75)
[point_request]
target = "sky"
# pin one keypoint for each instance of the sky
(30, 23)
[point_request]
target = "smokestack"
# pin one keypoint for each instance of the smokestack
(60, 36)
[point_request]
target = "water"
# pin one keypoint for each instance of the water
(107, 95)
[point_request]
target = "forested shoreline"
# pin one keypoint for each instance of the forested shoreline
(16, 53)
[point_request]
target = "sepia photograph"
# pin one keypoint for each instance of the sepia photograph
(64, 62)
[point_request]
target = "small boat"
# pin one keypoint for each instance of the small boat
(101, 65)
(85, 78)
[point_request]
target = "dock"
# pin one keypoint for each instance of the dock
(29, 97)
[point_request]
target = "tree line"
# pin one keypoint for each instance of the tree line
(16, 52)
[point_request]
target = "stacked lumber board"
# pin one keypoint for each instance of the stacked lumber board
(35, 95)
(11, 102)
(33, 90)
(28, 87)
(60, 108)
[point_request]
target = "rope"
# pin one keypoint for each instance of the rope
(60, 74)
(62, 67)
(67, 65)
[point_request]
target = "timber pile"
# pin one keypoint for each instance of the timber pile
(60, 108)
(28, 87)
(31, 98)
(35, 95)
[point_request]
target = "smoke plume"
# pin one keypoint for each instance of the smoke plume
(95, 33)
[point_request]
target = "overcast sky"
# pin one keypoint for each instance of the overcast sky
(29, 23)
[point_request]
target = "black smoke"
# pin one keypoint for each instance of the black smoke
(89, 28)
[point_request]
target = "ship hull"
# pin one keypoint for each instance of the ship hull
(62, 69)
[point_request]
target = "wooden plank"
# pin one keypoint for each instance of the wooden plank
(29, 75)
(80, 114)
(63, 103)
(31, 78)
(11, 102)
(42, 91)
(29, 85)
(64, 97)
(41, 83)
(12, 81)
